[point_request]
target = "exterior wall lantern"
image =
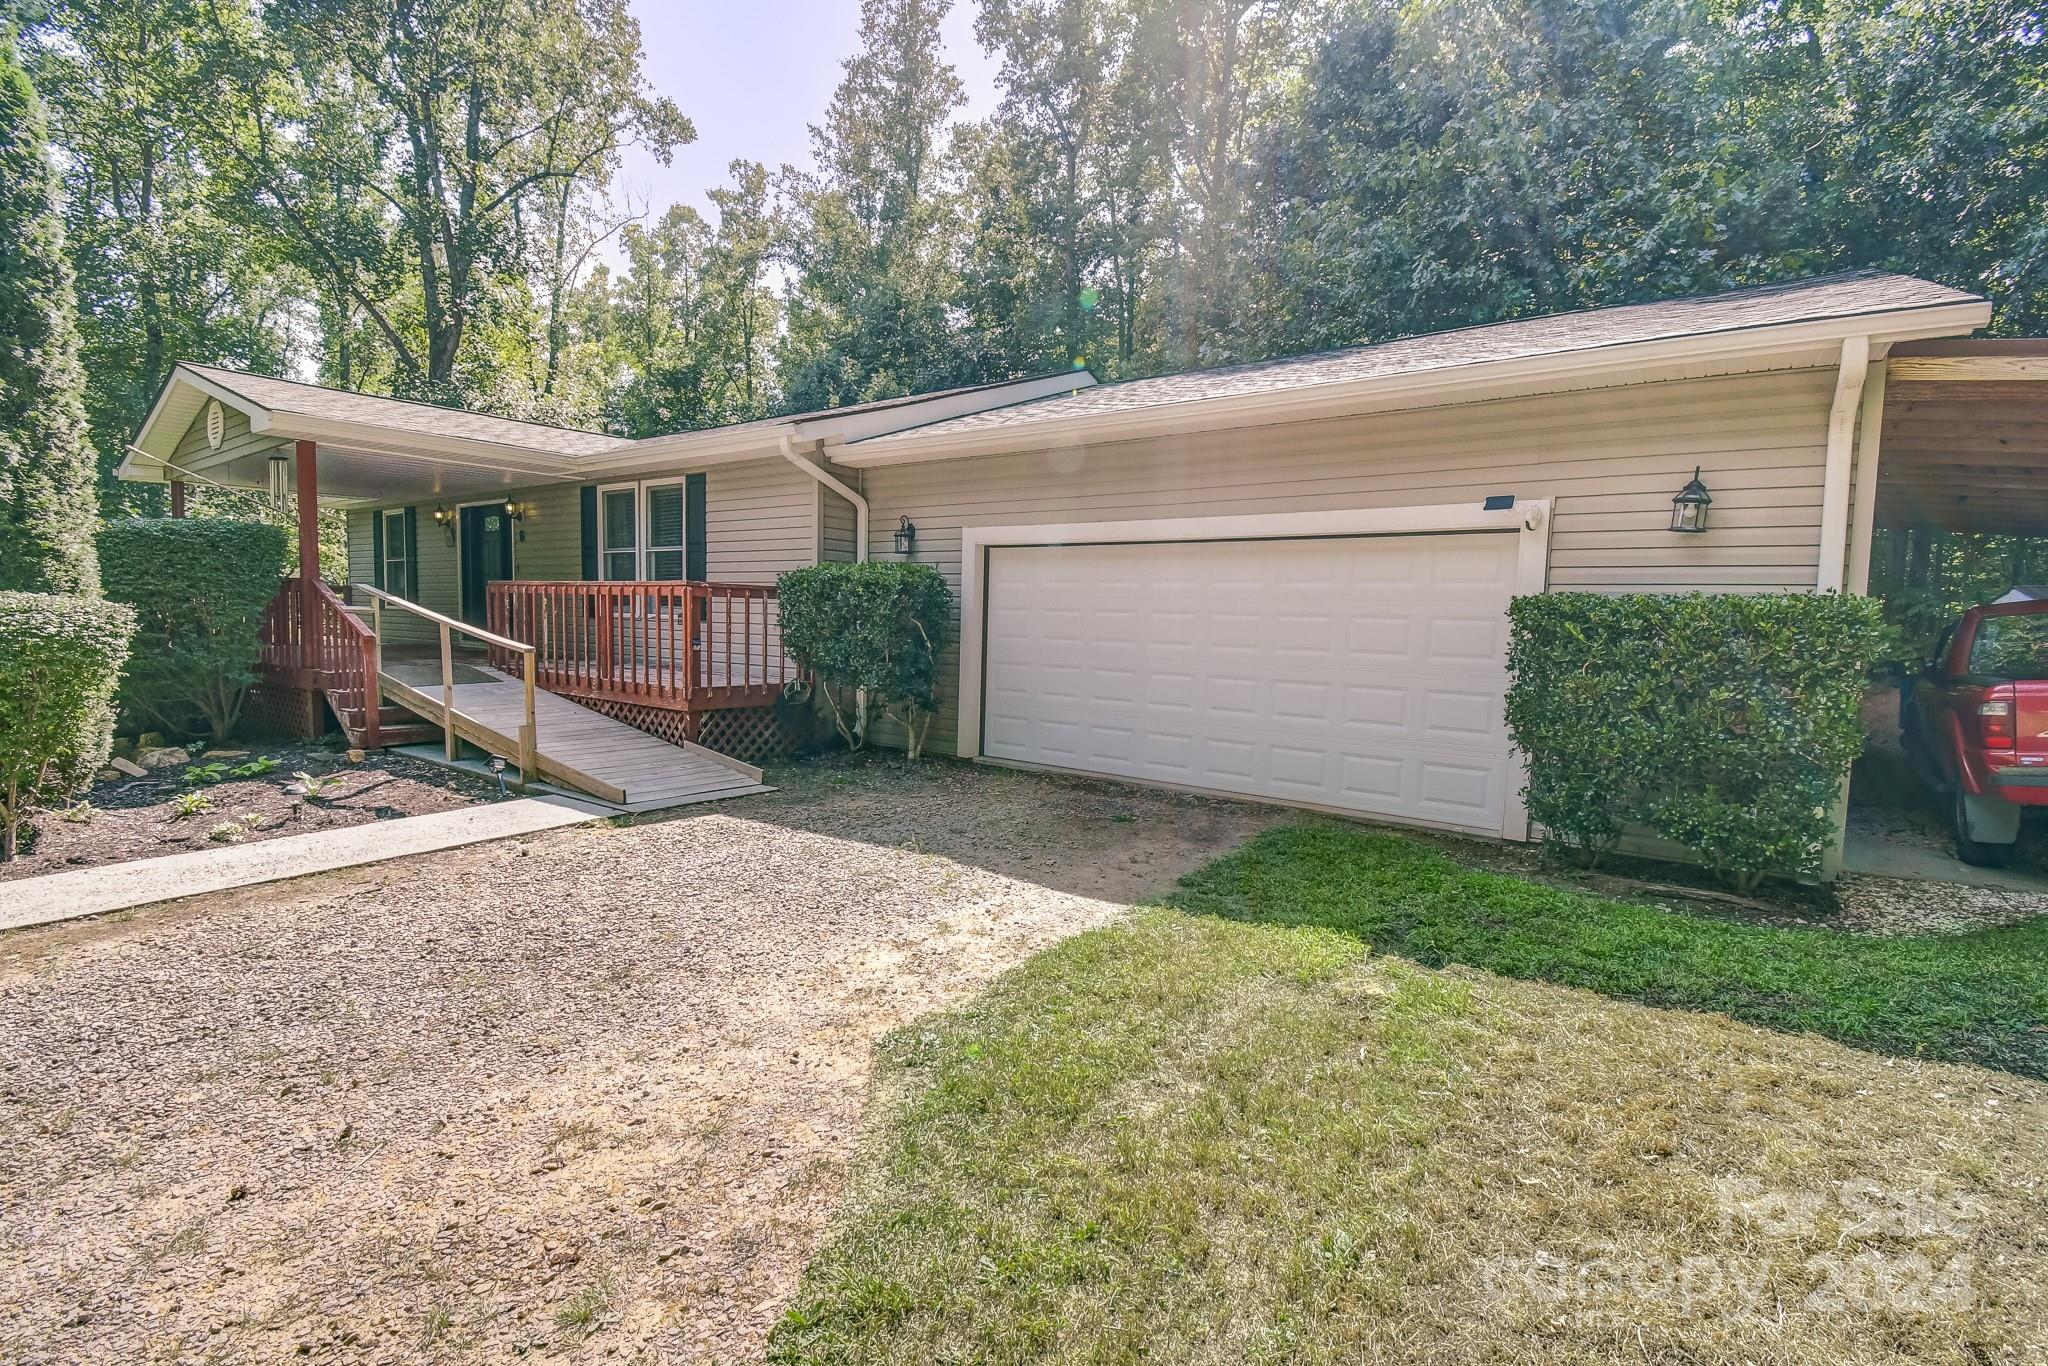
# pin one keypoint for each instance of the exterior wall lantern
(1689, 507)
(906, 536)
(445, 520)
(515, 513)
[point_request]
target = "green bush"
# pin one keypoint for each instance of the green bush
(876, 627)
(199, 586)
(1725, 723)
(60, 661)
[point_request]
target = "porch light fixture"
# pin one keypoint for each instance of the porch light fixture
(515, 513)
(1689, 507)
(906, 536)
(445, 520)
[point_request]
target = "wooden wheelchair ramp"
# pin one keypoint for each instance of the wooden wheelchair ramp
(573, 745)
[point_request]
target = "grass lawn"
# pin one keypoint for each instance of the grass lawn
(1332, 1104)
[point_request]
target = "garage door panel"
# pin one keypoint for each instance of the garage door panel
(1365, 674)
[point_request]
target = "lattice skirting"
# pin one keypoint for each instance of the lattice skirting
(283, 713)
(751, 734)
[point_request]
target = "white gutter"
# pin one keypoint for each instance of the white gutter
(826, 477)
(1841, 463)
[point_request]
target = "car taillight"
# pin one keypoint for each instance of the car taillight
(1995, 722)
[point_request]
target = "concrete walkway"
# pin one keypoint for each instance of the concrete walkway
(1876, 857)
(143, 882)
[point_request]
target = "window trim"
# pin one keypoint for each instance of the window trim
(402, 586)
(605, 550)
(648, 548)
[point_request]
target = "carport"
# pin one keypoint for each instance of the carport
(1957, 515)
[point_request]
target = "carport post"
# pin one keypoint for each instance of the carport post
(177, 498)
(309, 555)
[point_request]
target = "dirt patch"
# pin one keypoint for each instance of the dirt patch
(590, 1095)
(203, 804)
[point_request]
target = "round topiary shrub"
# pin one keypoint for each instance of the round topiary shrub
(60, 662)
(869, 629)
(199, 586)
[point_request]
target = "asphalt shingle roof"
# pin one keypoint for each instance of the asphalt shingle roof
(311, 400)
(1797, 301)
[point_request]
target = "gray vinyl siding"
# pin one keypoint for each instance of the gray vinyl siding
(837, 535)
(1610, 459)
(237, 441)
(760, 518)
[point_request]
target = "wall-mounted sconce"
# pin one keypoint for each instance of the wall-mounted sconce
(906, 536)
(515, 512)
(1689, 506)
(445, 519)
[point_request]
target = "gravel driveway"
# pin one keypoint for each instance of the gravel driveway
(589, 1096)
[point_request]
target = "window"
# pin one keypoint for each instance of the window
(397, 571)
(619, 533)
(665, 556)
(2011, 647)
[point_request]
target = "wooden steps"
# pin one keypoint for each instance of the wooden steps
(395, 725)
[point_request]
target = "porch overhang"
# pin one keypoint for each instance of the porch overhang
(1964, 440)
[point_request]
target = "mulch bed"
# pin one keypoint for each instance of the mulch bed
(126, 818)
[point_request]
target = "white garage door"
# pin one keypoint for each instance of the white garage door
(1361, 673)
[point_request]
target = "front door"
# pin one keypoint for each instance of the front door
(486, 557)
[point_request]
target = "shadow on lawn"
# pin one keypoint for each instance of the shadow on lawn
(1979, 998)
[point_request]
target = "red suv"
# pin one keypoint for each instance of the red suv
(1976, 725)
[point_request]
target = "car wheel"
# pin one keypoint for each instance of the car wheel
(1974, 852)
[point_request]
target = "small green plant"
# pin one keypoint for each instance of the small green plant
(582, 1310)
(235, 829)
(255, 768)
(190, 804)
(79, 813)
(315, 789)
(206, 773)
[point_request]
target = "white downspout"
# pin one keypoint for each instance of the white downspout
(860, 535)
(1841, 462)
(838, 486)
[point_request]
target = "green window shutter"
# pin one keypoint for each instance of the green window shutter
(693, 530)
(412, 554)
(589, 532)
(377, 548)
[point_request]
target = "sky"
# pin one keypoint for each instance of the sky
(753, 77)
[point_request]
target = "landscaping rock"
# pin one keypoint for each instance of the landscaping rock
(165, 758)
(128, 766)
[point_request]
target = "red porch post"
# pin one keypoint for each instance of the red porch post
(309, 556)
(177, 498)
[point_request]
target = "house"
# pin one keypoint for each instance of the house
(1284, 580)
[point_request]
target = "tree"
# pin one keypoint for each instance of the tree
(391, 146)
(870, 234)
(47, 510)
(165, 269)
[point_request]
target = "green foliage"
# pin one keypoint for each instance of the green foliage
(1927, 578)
(199, 587)
(208, 774)
(876, 627)
(1723, 722)
(46, 468)
(60, 661)
(190, 804)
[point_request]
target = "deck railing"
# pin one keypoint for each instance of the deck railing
(674, 645)
(514, 656)
(338, 656)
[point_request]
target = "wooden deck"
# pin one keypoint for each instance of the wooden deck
(574, 746)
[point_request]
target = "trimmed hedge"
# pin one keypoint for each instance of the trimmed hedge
(1725, 723)
(60, 661)
(876, 626)
(199, 586)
